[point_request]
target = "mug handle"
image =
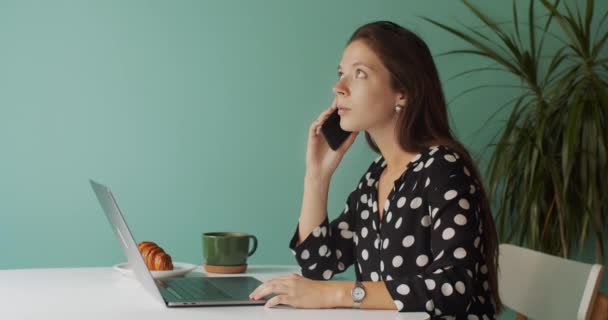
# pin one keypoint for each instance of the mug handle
(255, 245)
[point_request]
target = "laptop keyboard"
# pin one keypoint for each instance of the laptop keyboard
(191, 289)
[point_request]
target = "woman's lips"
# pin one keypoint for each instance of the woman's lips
(342, 110)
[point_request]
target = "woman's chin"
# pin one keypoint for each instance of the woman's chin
(349, 128)
(346, 126)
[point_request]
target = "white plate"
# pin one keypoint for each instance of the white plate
(179, 269)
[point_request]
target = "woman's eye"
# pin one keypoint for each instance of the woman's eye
(356, 72)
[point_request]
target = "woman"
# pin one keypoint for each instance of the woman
(418, 227)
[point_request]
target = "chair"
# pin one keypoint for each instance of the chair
(541, 286)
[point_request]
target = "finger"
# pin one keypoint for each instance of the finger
(256, 291)
(319, 128)
(328, 111)
(282, 299)
(314, 128)
(273, 287)
(325, 114)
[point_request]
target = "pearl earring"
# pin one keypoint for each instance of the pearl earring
(398, 108)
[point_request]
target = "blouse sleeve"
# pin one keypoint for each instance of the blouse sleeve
(446, 285)
(329, 248)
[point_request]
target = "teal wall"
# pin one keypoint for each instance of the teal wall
(194, 112)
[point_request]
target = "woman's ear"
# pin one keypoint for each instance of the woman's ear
(402, 99)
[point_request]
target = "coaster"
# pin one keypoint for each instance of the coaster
(225, 269)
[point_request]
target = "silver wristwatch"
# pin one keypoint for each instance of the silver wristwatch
(357, 293)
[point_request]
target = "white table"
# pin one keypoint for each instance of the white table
(104, 293)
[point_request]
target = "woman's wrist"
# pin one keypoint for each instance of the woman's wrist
(337, 293)
(317, 178)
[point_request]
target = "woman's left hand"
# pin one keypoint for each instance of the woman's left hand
(297, 291)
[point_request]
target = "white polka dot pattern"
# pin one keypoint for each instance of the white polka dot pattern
(426, 247)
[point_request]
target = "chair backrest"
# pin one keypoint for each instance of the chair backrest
(542, 286)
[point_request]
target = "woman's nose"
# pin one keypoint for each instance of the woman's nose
(338, 88)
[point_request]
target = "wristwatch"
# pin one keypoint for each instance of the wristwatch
(357, 293)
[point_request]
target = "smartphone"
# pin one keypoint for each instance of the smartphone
(334, 135)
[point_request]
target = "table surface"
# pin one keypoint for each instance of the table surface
(104, 293)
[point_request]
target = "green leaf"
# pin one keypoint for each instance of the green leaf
(483, 49)
(460, 74)
(568, 25)
(588, 16)
(549, 162)
(531, 28)
(516, 23)
(599, 45)
(547, 32)
(482, 87)
(557, 59)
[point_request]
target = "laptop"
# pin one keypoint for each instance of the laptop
(181, 291)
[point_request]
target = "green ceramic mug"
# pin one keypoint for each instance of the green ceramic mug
(227, 248)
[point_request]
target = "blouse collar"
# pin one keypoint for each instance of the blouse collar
(416, 160)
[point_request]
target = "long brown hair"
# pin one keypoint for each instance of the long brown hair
(424, 120)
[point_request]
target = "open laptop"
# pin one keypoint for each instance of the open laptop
(176, 292)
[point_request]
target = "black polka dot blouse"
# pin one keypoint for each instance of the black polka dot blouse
(427, 248)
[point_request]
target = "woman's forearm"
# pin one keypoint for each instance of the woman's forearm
(314, 205)
(376, 295)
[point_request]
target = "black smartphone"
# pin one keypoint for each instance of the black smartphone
(332, 132)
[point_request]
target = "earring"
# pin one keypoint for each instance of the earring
(398, 108)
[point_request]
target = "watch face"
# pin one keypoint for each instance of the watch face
(358, 293)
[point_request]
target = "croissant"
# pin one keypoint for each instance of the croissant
(155, 257)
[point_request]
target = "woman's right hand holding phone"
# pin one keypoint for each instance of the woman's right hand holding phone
(321, 160)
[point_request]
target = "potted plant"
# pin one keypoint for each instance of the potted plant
(548, 174)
